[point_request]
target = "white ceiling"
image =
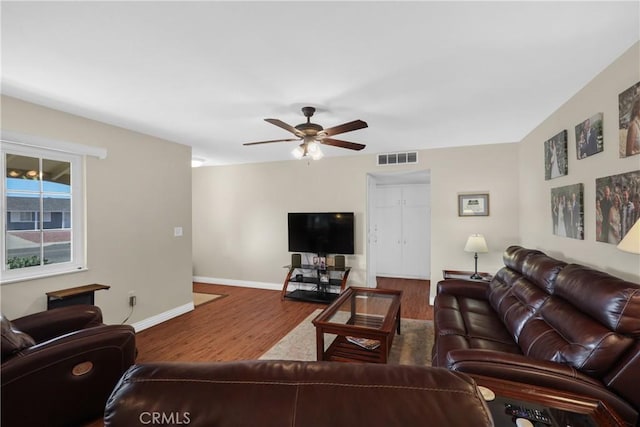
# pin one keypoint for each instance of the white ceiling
(422, 74)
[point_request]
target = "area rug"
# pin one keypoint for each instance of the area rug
(411, 347)
(200, 298)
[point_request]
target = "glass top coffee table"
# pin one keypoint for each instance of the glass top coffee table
(364, 321)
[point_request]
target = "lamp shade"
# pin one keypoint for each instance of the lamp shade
(631, 241)
(476, 243)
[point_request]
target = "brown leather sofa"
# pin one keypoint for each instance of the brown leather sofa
(292, 393)
(59, 366)
(544, 322)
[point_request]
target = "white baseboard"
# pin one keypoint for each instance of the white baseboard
(175, 312)
(162, 317)
(241, 283)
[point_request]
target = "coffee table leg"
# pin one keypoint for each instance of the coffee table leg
(319, 344)
(384, 354)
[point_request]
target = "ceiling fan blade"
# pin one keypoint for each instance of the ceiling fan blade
(346, 127)
(342, 144)
(273, 140)
(285, 126)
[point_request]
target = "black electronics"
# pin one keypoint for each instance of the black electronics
(321, 232)
(296, 260)
(533, 415)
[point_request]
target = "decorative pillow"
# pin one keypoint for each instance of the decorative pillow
(13, 341)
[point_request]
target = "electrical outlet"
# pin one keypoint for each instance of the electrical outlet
(132, 298)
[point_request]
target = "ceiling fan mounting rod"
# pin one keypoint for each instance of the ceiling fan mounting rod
(308, 112)
(309, 129)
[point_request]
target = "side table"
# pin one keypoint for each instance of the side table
(465, 275)
(72, 296)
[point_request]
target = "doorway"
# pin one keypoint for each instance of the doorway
(398, 225)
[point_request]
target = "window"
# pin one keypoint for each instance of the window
(43, 212)
(16, 216)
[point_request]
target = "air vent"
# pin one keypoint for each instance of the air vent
(397, 158)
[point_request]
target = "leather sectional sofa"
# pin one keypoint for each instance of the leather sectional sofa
(293, 393)
(544, 322)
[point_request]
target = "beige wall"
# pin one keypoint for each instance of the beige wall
(600, 95)
(135, 198)
(240, 212)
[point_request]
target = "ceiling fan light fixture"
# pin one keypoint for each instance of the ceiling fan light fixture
(298, 152)
(317, 155)
(312, 147)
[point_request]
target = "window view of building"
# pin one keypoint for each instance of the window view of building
(40, 221)
(38, 211)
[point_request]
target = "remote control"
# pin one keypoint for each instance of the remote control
(530, 414)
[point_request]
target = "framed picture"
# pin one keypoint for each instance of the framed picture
(567, 211)
(617, 206)
(473, 204)
(629, 110)
(555, 156)
(589, 137)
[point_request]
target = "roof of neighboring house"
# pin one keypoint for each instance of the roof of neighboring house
(32, 204)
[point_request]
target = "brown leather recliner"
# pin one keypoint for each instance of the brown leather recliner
(59, 366)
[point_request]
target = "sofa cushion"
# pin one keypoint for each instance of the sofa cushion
(520, 305)
(468, 317)
(470, 324)
(514, 256)
(514, 298)
(13, 340)
(612, 301)
(542, 270)
(500, 285)
(560, 333)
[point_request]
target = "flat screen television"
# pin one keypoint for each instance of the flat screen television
(321, 232)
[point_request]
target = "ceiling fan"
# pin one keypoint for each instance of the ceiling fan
(311, 134)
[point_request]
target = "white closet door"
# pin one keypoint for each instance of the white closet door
(388, 231)
(416, 236)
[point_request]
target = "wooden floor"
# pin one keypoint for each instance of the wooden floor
(242, 325)
(246, 323)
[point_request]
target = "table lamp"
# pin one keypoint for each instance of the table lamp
(476, 244)
(631, 240)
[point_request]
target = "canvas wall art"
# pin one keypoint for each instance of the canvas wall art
(589, 139)
(629, 121)
(567, 211)
(617, 206)
(555, 156)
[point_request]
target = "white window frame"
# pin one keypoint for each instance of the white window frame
(33, 147)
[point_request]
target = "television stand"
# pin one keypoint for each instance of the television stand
(314, 284)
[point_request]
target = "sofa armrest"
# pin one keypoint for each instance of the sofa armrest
(81, 367)
(524, 369)
(466, 288)
(60, 353)
(45, 325)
